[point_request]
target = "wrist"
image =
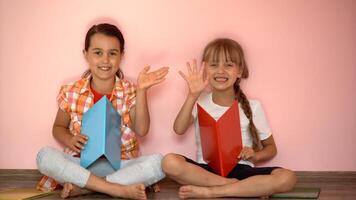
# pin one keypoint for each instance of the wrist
(141, 90)
(256, 157)
(193, 97)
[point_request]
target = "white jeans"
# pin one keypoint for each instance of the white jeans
(64, 168)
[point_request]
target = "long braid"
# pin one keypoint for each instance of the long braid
(245, 105)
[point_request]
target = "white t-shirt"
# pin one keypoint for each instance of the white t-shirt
(216, 111)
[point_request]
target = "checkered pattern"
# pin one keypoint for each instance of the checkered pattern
(76, 98)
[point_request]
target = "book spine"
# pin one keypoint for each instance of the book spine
(218, 144)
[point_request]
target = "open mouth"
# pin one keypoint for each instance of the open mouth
(221, 79)
(104, 68)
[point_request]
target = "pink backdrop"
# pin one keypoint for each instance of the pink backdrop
(301, 56)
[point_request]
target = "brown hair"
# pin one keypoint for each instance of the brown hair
(108, 30)
(233, 52)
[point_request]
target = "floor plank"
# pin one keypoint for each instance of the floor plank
(334, 185)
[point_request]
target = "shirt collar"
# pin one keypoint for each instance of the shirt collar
(117, 87)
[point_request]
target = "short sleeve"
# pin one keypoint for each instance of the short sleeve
(203, 100)
(62, 100)
(260, 121)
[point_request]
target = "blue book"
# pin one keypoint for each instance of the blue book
(101, 124)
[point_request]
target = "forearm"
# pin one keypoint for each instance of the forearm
(142, 116)
(267, 153)
(184, 117)
(62, 135)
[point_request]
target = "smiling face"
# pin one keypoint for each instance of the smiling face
(225, 65)
(222, 73)
(103, 56)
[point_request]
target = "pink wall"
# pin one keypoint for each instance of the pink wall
(301, 55)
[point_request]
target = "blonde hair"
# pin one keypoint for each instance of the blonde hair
(232, 52)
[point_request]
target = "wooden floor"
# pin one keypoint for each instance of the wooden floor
(333, 185)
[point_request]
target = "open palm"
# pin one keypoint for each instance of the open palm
(147, 79)
(195, 78)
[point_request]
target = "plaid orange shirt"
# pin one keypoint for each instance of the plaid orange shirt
(76, 98)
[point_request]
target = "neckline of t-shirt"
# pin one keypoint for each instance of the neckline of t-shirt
(215, 104)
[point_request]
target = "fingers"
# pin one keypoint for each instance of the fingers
(78, 147)
(194, 66)
(78, 142)
(239, 156)
(145, 69)
(146, 80)
(159, 75)
(165, 68)
(189, 68)
(162, 72)
(183, 76)
(157, 81)
(206, 80)
(202, 69)
(245, 153)
(68, 151)
(83, 137)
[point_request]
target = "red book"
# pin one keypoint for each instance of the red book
(221, 140)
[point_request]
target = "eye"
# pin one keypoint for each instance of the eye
(113, 53)
(213, 65)
(98, 53)
(229, 64)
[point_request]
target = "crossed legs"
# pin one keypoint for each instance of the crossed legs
(199, 183)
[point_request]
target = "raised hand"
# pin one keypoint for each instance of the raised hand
(147, 79)
(195, 78)
(77, 142)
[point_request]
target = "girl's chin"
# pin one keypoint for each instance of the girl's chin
(222, 88)
(104, 76)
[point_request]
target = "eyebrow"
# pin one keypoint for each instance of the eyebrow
(217, 62)
(99, 49)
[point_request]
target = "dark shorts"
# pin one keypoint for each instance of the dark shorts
(240, 171)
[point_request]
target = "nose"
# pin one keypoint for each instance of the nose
(106, 58)
(221, 68)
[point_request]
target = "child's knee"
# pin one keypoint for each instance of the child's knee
(146, 169)
(43, 156)
(155, 161)
(170, 163)
(50, 161)
(286, 180)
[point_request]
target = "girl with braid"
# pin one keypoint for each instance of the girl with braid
(223, 67)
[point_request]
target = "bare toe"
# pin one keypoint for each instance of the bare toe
(67, 188)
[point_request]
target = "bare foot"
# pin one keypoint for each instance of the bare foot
(190, 191)
(136, 191)
(71, 190)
